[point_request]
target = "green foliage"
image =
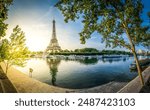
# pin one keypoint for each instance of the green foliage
(87, 50)
(3, 16)
(146, 40)
(113, 19)
(3, 47)
(148, 14)
(66, 50)
(74, 53)
(110, 18)
(14, 50)
(114, 52)
(38, 53)
(88, 61)
(92, 51)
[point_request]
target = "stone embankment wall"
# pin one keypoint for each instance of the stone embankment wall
(5, 84)
(25, 84)
(135, 85)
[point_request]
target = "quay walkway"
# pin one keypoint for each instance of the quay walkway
(23, 84)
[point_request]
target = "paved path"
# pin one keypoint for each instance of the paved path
(25, 84)
(5, 85)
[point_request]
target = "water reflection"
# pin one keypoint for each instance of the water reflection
(124, 59)
(80, 72)
(111, 60)
(53, 66)
(84, 60)
(94, 60)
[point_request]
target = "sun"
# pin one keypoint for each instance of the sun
(37, 36)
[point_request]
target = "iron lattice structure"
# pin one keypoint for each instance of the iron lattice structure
(53, 45)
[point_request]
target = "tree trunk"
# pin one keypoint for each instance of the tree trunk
(135, 55)
(138, 67)
(6, 68)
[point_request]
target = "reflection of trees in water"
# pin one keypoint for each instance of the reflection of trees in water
(53, 66)
(86, 60)
(110, 60)
(54, 63)
(94, 60)
(124, 59)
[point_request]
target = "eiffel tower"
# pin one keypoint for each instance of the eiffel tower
(53, 45)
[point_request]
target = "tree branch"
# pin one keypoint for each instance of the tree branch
(130, 40)
(124, 45)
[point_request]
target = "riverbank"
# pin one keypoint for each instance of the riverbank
(111, 87)
(135, 85)
(25, 84)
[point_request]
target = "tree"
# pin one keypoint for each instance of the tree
(148, 14)
(3, 26)
(3, 16)
(118, 21)
(3, 47)
(146, 42)
(66, 50)
(87, 50)
(14, 52)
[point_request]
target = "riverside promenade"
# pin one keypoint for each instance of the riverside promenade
(25, 84)
(135, 85)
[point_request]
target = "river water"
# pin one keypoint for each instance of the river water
(79, 73)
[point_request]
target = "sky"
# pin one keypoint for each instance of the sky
(35, 19)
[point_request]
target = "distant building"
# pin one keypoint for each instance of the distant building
(141, 51)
